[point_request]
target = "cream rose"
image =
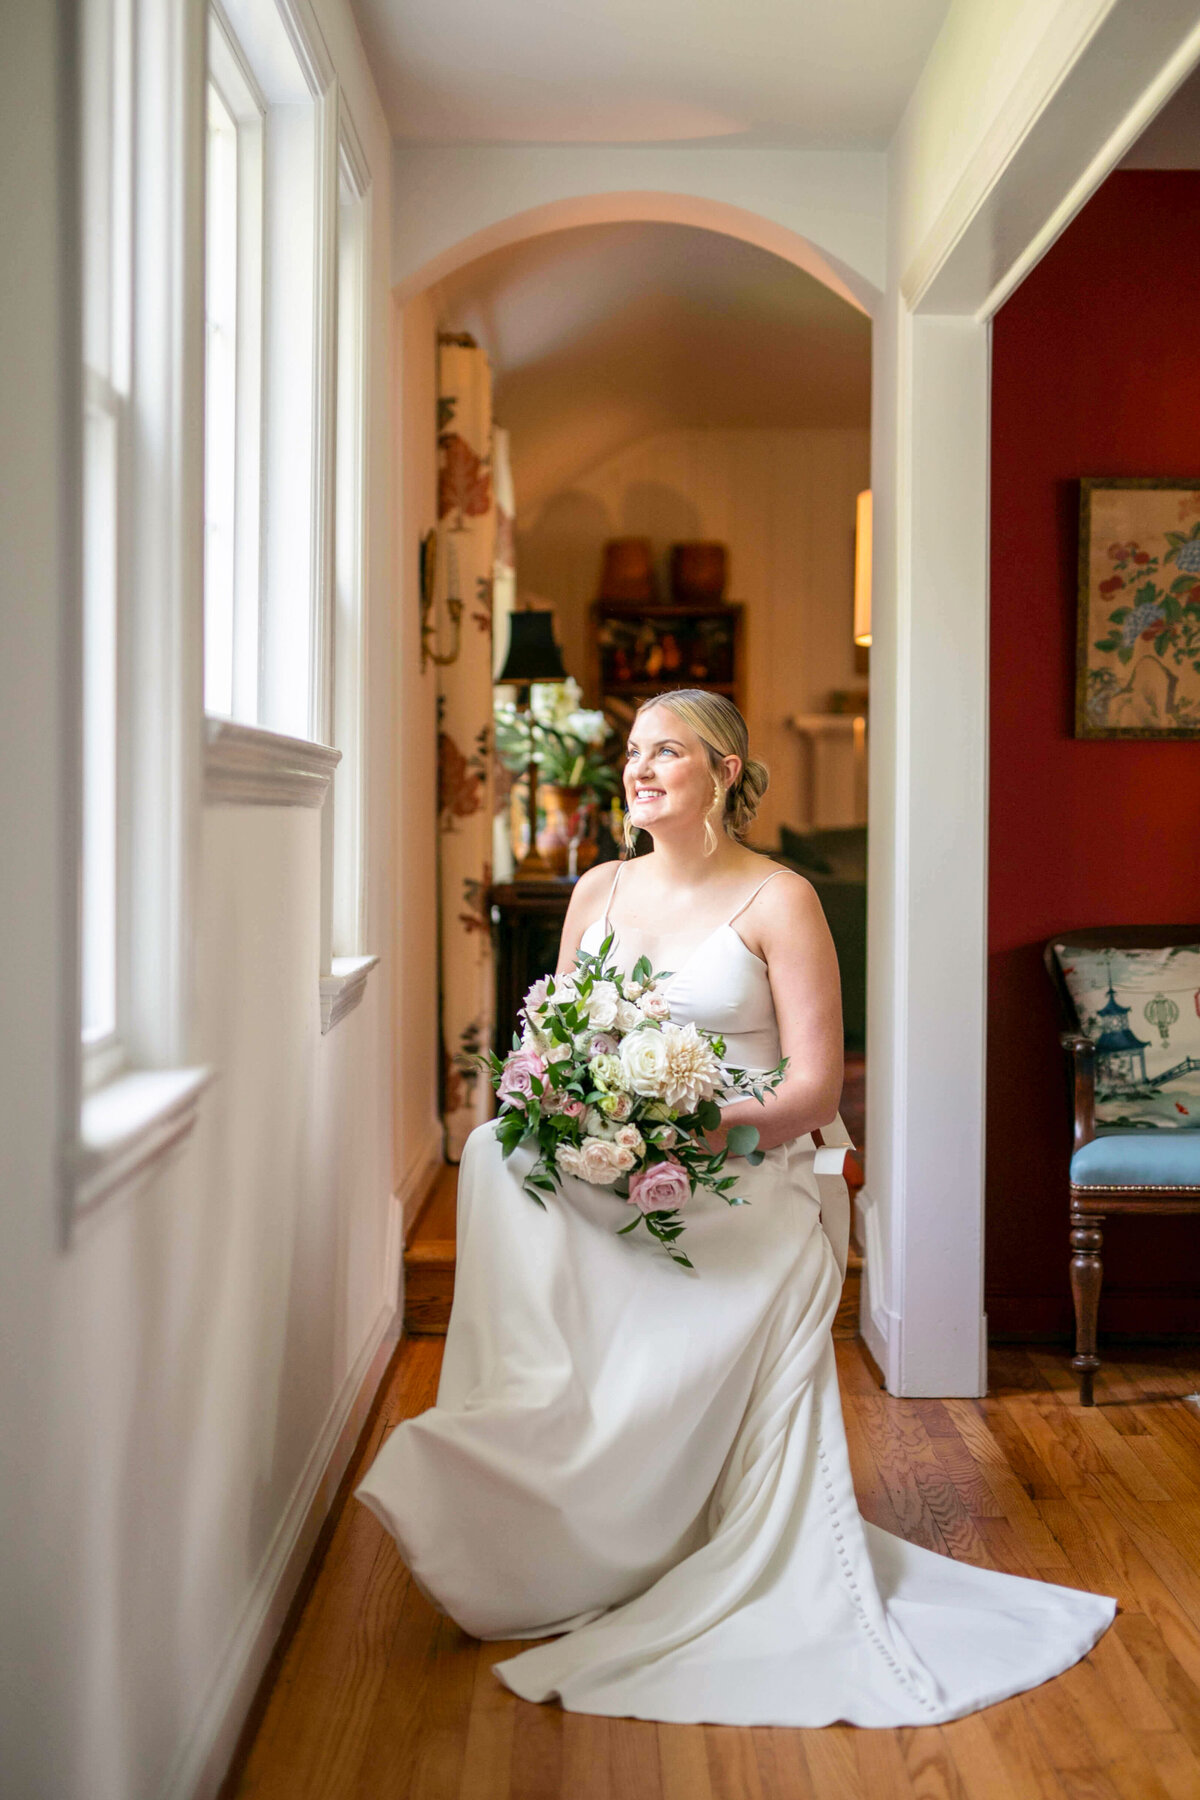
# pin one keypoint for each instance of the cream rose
(569, 1161)
(628, 1017)
(616, 1106)
(601, 1005)
(644, 1063)
(629, 1138)
(601, 1161)
(654, 1006)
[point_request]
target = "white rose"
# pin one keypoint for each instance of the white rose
(602, 1005)
(625, 1158)
(601, 1161)
(569, 1161)
(628, 1017)
(559, 1053)
(633, 989)
(629, 1138)
(644, 1063)
(654, 1006)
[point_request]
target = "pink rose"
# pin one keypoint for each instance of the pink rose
(603, 1044)
(662, 1188)
(520, 1071)
(574, 1109)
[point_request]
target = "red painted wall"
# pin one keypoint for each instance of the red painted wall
(1095, 371)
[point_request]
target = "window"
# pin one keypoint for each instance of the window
(138, 599)
(268, 324)
(350, 495)
(343, 967)
(106, 65)
(232, 378)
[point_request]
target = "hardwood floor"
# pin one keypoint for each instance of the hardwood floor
(379, 1698)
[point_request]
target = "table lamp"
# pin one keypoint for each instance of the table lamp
(532, 656)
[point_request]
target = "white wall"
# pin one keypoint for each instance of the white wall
(783, 501)
(173, 1386)
(825, 210)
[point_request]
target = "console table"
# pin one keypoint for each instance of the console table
(527, 920)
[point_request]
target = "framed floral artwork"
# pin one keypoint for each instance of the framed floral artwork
(1138, 645)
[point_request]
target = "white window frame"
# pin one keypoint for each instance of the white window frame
(344, 963)
(238, 695)
(270, 64)
(131, 1093)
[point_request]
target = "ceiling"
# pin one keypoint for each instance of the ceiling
(781, 73)
(601, 335)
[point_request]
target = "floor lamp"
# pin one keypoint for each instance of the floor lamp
(532, 656)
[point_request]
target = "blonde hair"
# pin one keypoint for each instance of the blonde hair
(722, 730)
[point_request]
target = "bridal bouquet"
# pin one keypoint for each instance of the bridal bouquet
(611, 1091)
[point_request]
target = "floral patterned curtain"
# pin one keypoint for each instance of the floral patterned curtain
(504, 600)
(465, 555)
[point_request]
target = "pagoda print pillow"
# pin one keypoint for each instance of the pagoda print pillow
(1141, 1009)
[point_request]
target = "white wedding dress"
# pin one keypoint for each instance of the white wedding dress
(650, 1466)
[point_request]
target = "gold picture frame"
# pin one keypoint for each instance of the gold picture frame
(1138, 630)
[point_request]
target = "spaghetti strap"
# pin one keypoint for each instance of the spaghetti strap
(758, 890)
(612, 890)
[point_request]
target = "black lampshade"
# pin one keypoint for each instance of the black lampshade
(533, 654)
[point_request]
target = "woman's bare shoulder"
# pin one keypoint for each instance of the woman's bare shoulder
(789, 899)
(591, 891)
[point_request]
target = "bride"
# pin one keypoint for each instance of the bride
(649, 1467)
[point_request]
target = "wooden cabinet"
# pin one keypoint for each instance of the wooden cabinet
(642, 649)
(527, 921)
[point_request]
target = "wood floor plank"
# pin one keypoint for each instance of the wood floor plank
(733, 1771)
(782, 1765)
(487, 1754)
(537, 1754)
(636, 1773)
(683, 1763)
(587, 1762)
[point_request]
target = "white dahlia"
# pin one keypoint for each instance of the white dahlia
(680, 1071)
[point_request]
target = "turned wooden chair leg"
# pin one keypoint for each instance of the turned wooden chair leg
(1087, 1273)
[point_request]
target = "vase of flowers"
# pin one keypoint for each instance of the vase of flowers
(565, 741)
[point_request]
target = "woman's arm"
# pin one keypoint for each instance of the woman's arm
(587, 903)
(806, 988)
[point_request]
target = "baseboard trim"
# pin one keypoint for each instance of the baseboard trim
(423, 1170)
(207, 1752)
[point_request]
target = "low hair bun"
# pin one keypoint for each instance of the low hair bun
(745, 796)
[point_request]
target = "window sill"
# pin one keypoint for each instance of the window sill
(130, 1125)
(247, 766)
(343, 988)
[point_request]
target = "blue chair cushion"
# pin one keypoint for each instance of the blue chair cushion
(1139, 1159)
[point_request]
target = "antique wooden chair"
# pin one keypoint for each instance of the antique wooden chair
(1113, 1170)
